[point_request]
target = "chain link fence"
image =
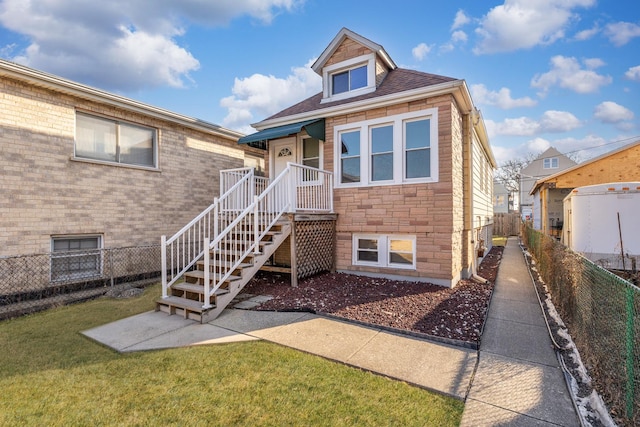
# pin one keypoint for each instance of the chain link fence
(36, 282)
(602, 312)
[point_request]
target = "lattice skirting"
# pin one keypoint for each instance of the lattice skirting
(315, 246)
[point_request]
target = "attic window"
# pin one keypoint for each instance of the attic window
(550, 163)
(353, 77)
(345, 81)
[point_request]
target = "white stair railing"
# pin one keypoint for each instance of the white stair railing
(243, 235)
(181, 251)
(235, 224)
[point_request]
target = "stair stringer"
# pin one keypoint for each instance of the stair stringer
(235, 287)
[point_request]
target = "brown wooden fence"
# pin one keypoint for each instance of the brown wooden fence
(506, 224)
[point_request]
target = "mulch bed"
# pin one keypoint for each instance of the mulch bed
(417, 307)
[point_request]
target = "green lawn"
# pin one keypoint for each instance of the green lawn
(52, 375)
(499, 241)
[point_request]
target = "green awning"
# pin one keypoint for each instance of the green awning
(315, 129)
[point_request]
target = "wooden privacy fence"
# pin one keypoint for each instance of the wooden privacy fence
(506, 224)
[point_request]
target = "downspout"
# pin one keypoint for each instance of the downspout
(471, 229)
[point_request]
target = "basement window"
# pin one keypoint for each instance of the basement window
(75, 257)
(381, 250)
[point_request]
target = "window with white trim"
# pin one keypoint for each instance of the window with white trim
(390, 150)
(352, 77)
(349, 156)
(75, 257)
(550, 163)
(349, 80)
(382, 250)
(115, 141)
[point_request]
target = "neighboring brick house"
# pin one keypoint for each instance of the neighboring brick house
(551, 161)
(620, 165)
(411, 163)
(84, 168)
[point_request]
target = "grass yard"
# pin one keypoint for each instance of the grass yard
(499, 241)
(52, 375)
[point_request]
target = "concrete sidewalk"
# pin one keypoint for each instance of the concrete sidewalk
(434, 366)
(518, 381)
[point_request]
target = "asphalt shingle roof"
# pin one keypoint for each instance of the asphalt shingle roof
(396, 81)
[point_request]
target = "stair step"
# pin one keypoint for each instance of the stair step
(199, 274)
(183, 303)
(196, 289)
(200, 265)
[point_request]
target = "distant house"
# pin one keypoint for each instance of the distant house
(87, 169)
(549, 162)
(621, 165)
(501, 198)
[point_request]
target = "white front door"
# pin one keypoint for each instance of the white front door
(282, 151)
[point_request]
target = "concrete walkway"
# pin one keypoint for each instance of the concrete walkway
(518, 381)
(434, 366)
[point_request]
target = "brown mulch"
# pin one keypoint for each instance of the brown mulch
(418, 307)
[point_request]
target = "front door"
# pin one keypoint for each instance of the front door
(282, 151)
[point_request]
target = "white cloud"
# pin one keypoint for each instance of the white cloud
(537, 145)
(567, 73)
(587, 34)
(421, 51)
(551, 122)
(460, 20)
(633, 73)
(259, 96)
(621, 33)
(501, 99)
(119, 44)
(611, 112)
(459, 37)
(593, 63)
(522, 24)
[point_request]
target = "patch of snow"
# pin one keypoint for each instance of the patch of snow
(595, 402)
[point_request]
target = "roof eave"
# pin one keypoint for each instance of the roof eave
(59, 84)
(339, 38)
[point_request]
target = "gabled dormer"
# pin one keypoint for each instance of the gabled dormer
(351, 66)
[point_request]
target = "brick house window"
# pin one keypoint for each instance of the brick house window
(114, 141)
(75, 257)
(382, 250)
(390, 150)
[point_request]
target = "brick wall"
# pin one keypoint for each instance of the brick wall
(347, 49)
(45, 192)
(432, 212)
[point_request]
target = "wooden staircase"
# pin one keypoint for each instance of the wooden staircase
(187, 298)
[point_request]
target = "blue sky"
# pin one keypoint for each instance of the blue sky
(563, 73)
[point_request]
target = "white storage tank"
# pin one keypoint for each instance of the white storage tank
(595, 218)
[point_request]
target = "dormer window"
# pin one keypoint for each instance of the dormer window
(345, 81)
(353, 77)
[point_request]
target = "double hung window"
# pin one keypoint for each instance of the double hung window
(391, 150)
(114, 141)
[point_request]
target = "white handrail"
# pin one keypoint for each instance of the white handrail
(245, 212)
(244, 234)
(181, 251)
